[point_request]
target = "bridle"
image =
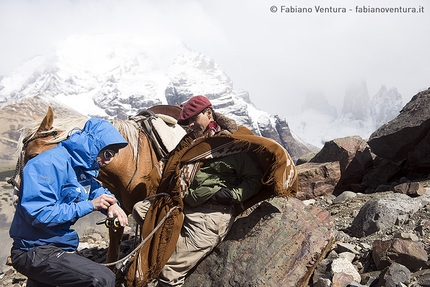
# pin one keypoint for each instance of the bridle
(18, 167)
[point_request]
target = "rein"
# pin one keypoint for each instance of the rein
(133, 252)
(18, 167)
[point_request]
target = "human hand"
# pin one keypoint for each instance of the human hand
(224, 196)
(103, 201)
(116, 211)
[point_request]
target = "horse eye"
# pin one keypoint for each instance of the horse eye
(108, 154)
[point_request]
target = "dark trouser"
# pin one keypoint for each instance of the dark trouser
(51, 266)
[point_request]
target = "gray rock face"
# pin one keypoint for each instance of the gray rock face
(276, 245)
(406, 137)
(354, 157)
(383, 212)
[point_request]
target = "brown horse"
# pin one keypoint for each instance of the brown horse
(127, 176)
(130, 176)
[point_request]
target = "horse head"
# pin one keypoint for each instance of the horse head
(37, 138)
(35, 142)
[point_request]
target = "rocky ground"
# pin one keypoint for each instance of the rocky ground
(345, 211)
(343, 208)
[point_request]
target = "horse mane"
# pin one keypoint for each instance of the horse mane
(62, 126)
(129, 129)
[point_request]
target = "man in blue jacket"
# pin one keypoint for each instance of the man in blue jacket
(58, 187)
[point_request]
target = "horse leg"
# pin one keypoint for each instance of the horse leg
(115, 236)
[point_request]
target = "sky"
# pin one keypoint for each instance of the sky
(273, 49)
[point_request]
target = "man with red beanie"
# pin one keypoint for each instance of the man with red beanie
(198, 116)
(192, 108)
(219, 184)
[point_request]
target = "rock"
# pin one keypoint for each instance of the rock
(346, 247)
(278, 244)
(347, 255)
(408, 253)
(355, 284)
(382, 171)
(344, 196)
(410, 188)
(309, 201)
(370, 278)
(322, 282)
(341, 279)
(422, 277)
(317, 179)
(406, 137)
(354, 156)
(322, 273)
(305, 158)
(381, 213)
(83, 246)
(341, 267)
(394, 275)
(282, 134)
(405, 235)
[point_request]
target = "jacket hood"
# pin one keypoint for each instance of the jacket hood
(84, 145)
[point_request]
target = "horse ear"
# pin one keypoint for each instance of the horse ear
(47, 121)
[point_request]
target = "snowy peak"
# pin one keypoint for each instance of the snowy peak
(385, 106)
(196, 74)
(116, 76)
(360, 115)
(356, 101)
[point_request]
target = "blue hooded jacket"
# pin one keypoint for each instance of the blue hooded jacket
(57, 188)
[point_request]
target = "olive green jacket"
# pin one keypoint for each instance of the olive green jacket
(237, 172)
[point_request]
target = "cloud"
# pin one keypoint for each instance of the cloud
(32, 27)
(277, 57)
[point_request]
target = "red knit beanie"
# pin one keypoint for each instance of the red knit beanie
(193, 107)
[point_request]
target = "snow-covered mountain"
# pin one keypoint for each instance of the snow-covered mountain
(116, 76)
(385, 106)
(360, 115)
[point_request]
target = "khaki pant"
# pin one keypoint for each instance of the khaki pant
(139, 211)
(202, 231)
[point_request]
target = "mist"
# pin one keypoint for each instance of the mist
(277, 57)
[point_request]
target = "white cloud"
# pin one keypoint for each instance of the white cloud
(277, 57)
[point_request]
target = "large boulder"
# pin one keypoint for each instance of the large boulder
(406, 138)
(277, 244)
(354, 157)
(402, 251)
(382, 212)
(382, 171)
(316, 179)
